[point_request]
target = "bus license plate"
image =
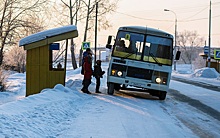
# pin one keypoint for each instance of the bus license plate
(136, 84)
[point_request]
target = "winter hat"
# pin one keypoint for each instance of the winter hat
(98, 61)
(88, 50)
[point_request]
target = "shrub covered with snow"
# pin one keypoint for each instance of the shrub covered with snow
(206, 73)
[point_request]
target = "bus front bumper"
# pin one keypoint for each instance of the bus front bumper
(139, 83)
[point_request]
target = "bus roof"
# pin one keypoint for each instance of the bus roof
(145, 30)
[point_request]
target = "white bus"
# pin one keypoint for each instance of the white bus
(141, 60)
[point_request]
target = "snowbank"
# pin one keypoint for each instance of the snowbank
(206, 73)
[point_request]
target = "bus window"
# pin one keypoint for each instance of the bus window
(158, 48)
(164, 52)
(146, 49)
(122, 45)
(133, 45)
(139, 47)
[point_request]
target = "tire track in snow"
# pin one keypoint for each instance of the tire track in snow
(195, 103)
(193, 119)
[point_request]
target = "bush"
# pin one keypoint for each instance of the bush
(2, 80)
(15, 59)
(199, 62)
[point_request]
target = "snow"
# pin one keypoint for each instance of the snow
(64, 111)
(47, 33)
(206, 73)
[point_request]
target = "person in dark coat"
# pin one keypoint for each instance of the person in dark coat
(87, 73)
(98, 74)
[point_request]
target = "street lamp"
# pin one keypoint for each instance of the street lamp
(175, 35)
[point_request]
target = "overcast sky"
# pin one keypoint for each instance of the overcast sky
(191, 15)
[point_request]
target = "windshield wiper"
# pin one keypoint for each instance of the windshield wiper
(128, 55)
(130, 52)
(155, 59)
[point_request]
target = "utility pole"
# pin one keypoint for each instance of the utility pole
(96, 22)
(85, 34)
(174, 36)
(209, 55)
(175, 42)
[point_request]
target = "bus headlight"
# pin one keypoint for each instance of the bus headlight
(119, 73)
(158, 80)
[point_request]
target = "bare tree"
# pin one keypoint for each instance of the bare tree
(16, 16)
(73, 15)
(199, 63)
(84, 12)
(105, 7)
(189, 43)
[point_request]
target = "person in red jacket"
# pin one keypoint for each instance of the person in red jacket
(87, 73)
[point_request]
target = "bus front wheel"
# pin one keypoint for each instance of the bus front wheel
(117, 87)
(162, 95)
(111, 88)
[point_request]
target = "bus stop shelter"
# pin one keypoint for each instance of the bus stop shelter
(40, 70)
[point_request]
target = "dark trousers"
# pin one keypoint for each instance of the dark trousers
(97, 84)
(86, 83)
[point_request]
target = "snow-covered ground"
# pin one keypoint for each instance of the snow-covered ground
(66, 112)
(205, 75)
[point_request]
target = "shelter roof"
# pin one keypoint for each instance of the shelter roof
(49, 36)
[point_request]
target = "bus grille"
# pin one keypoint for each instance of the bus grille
(139, 73)
(119, 67)
(119, 61)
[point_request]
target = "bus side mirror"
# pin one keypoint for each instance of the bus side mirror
(109, 39)
(109, 46)
(177, 55)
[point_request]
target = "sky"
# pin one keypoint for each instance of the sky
(65, 112)
(191, 16)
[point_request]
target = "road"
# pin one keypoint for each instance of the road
(200, 118)
(199, 84)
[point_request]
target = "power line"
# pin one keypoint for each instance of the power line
(215, 3)
(193, 7)
(141, 17)
(166, 20)
(196, 13)
(199, 19)
(178, 8)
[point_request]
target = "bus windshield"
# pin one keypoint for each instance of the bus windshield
(158, 49)
(145, 48)
(129, 45)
